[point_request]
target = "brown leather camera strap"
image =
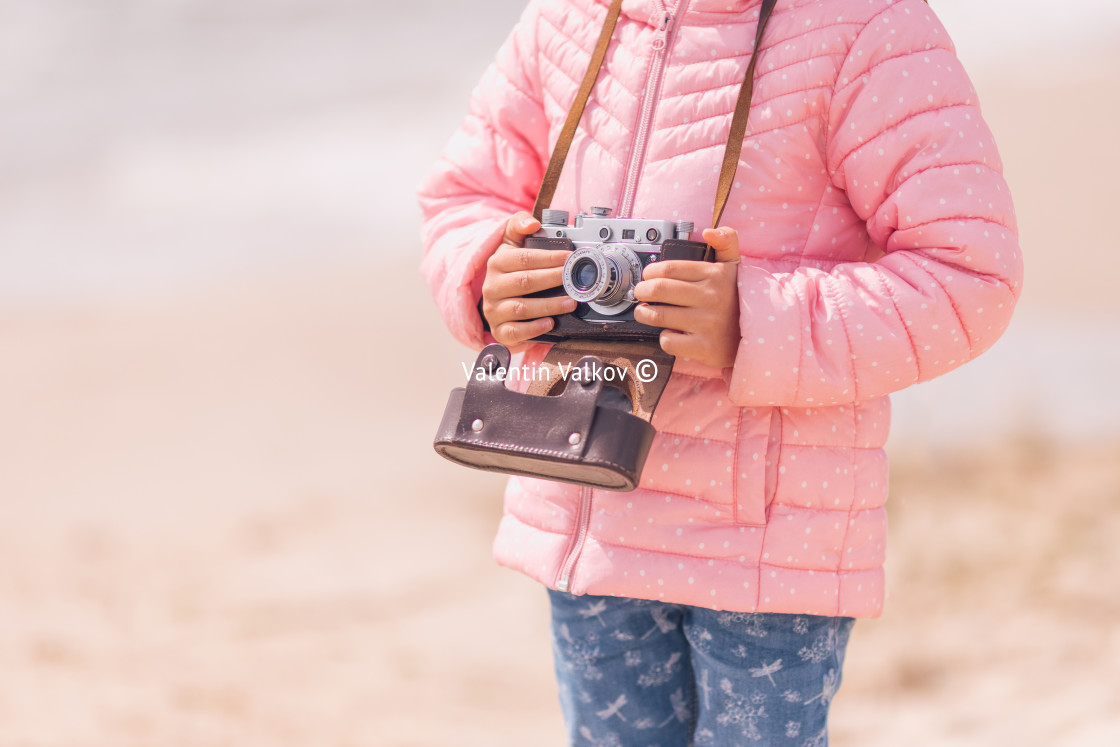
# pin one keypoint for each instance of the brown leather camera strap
(641, 370)
(564, 142)
(567, 133)
(739, 120)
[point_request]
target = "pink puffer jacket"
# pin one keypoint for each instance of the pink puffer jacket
(879, 249)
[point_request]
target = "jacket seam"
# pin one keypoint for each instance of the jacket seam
(523, 149)
(588, 134)
(806, 60)
(909, 53)
(851, 507)
(577, 82)
(469, 179)
(802, 304)
(734, 560)
(472, 196)
(731, 111)
(736, 84)
(845, 447)
(696, 376)
(597, 100)
(880, 272)
(617, 43)
(749, 133)
(735, 468)
(793, 92)
(895, 125)
(866, 25)
(775, 412)
(781, 126)
(800, 264)
(688, 496)
(824, 27)
(913, 255)
(555, 99)
(836, 87)
(724, 525)
(952, 301)
(590, 17)
(934, 166)
(693, 437)
(512, 84)
(835, 297)
(955, 219)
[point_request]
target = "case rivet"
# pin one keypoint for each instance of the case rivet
(574, 439)
(476, 426)
(489, 363)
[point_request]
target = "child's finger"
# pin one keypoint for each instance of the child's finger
(513, 259)
(514, 333)
(514, 284)
(534, 308)
(725, 241)
(670, 291)
(677, 344)
(669, 317)
(679, 269)
(519, 226)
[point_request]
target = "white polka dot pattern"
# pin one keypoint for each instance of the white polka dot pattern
(879, 249)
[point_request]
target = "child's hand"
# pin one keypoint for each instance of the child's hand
(701, 302)
(512, 273)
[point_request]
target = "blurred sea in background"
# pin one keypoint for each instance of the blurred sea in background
(217, 497)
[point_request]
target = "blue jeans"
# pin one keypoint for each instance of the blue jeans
(634, 673)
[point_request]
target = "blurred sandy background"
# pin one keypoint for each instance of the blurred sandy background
(221, 522)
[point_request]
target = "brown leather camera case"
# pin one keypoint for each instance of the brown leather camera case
(572, 436)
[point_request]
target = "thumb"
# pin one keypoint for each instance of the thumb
(725, 242)
(519, 226)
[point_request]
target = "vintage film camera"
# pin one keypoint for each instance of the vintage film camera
(586, 431)
(608, 258)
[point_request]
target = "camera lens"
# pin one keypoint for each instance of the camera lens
(585, 274)
(602, 276)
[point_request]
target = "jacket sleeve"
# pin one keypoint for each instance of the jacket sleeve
(490, 169)
(906, 142)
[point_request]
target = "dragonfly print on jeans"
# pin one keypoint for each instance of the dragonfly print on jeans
(636, 673)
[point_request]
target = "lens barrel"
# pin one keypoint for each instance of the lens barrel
(602, 276)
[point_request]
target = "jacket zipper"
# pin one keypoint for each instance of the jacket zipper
(577, 545)
(661, 42)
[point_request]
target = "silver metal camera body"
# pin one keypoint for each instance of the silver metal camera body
(608, 258)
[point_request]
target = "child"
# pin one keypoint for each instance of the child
(869, 243)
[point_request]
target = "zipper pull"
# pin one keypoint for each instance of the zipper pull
(662, 35)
